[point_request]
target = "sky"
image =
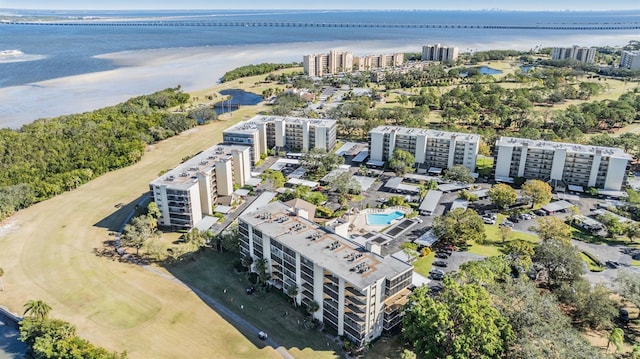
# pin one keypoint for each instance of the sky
(594, 5)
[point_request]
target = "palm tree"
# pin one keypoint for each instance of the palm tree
(292, 292)
(37, 309)
(313, 307)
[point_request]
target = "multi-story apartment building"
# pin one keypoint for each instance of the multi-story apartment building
(438, 52)
(564, 163)
(289, 133)
(630, 60)
(189, 191)
(430, 148)
(360, 293)
(580, 54)
(374, 62)
(318, 65)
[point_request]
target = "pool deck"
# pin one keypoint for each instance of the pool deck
(359, 221)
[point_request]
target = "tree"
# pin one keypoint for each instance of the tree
(408, 354)
(262, 268)
(632, 231)
(458, 173)
(276, 179)
(318, 162)
(538, 192)
(519, 252)
(616, 337)
(410, 249)
(505, 231)
(502, 195)
(153, 211)
(612, 223)
(292, 292)
(402, 161)
(313, 307)
(138, 232)
(549, 228)
(37, 309)
(461, 323)
(558, 261)
(344, 183)
(629, 286)
(459, 226)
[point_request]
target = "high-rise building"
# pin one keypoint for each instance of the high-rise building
(438, 52)
(580, 54)
(360, 293)
(373, 62)
(188, 192)
(288, 133)
(334, 62)
(630, 60)
(430, 148)
(561, 163)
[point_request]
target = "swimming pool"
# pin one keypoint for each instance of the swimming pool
(383, 219)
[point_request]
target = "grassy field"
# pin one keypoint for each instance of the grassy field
(213, 273)
(47, 253)
(591, 264)
(493, 245)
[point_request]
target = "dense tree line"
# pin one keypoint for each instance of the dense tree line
(252, 70)
(55, 338)
(51, 156)
(491, 309)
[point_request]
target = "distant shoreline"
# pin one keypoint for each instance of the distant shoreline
(194, 68)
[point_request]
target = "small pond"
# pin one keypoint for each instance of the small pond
(238, 98)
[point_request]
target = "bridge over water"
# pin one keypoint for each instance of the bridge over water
(195, 23)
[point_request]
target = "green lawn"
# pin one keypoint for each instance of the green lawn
(587, 237)
(484, 165)
(493, 244)
(213, 273)
(423, 265)
(635, 262)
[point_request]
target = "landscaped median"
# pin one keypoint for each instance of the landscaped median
(593, 263)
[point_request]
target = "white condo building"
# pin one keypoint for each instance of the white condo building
(563, 163)
(188, 192)
(431, 149)
(580, 54)
(360, 293)
(318, 65)
(438, 52)
(630, 60)
(290, 133)
(373, 62)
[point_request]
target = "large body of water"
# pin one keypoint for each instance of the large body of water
(53, 52)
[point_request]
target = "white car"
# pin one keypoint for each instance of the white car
(262, 335)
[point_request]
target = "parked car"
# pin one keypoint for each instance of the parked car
(612, 264)
(514, 219)
(440, 263)
(540, 213)
(436, 274)
(262, 335)
(507, 223)
(636, 256)
(488, 220)
(435, 289)
(443, 255)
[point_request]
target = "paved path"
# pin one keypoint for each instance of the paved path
(246, 328)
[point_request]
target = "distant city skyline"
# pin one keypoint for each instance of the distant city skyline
(542, 5)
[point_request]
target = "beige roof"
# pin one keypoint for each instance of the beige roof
(302, 204)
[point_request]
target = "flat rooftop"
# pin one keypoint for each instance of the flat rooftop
(250, 126)
(342, 257)
(408, 131)
(570, 147)
(185, 175)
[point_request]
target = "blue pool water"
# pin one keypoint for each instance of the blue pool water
(383, 219)
(486, 70)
